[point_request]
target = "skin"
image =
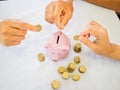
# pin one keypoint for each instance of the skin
(59, 13)
(110, 4)
(101, 45)
(12, 32)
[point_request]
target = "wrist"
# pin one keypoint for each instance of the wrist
(115, 51)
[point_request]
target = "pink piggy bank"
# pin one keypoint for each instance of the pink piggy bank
(58, 46)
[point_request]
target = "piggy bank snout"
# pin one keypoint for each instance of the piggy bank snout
(56, 54)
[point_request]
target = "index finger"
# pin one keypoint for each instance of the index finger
(21, 25)
(93, 30)
(86, 41)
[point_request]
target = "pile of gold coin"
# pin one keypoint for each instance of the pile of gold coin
(71, 67)
(77, 59)
(61, 69)
(69, 71)
(77, 47)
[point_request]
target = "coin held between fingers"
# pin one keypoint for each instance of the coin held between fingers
(39, 27)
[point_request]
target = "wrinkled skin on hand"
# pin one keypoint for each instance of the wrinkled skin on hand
(59, 13)
(12, 32)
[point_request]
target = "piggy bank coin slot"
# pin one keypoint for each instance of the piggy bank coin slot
(58, 39)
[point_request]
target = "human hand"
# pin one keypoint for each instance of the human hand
(59, 13)
(101, 45)
(12, 32)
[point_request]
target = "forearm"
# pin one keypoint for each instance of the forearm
(70, 1)
(116, 52)
(110, 4)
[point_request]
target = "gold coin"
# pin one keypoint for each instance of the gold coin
(75, 77)
(65, 75)
(77, 47)
(61, 69)
(41, 57)
(39, 27)
(82, 69)
(76, 37)
(77, 59)
(55, 84)
(71, 67)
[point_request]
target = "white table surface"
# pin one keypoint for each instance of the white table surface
(20, 68)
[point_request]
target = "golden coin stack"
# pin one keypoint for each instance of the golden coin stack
(77, 59)
(66, 75)
(61, 69)
(71, 67)
(77, 47)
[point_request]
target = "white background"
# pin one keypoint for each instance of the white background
(20, 68)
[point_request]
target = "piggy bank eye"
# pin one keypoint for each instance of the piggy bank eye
(59, 54)
(52, 52)
(64, 50)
